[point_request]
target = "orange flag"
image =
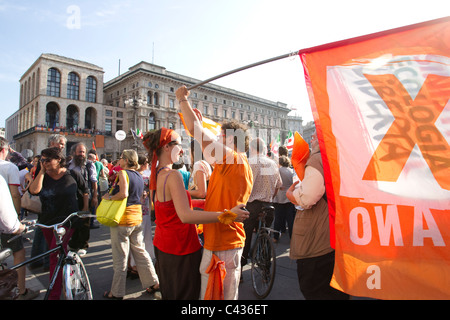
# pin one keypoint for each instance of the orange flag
(300, 154)
(217, 273)
(381, 108)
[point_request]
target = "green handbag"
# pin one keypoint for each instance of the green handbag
(109, 212)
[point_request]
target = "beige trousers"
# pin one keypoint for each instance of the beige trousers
(124, 239)
(232, 259)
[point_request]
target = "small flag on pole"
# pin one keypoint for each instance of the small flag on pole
(209, 124)
(275, 145)
(289, 142)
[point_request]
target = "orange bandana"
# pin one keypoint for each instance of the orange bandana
(166, 137)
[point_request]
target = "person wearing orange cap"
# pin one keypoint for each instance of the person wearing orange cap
(230, 184)
(177, 247)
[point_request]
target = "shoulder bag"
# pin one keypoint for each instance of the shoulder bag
(109, 212)
(31, 202)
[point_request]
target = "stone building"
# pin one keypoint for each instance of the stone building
(144, 98)
(60, 94)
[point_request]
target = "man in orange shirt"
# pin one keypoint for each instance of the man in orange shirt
(230, 184)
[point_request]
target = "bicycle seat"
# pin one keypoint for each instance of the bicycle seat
(4, 254)
(268, 208)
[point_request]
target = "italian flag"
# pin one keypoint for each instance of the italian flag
(275, 145)
(289, 142)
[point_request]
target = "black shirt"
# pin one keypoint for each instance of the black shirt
(58, 198)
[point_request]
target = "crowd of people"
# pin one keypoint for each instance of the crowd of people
(204, 216)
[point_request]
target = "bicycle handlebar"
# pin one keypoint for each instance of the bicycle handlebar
(79, 214)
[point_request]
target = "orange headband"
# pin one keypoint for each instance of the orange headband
(165, 138)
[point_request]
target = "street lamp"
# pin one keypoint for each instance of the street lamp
(135, 103)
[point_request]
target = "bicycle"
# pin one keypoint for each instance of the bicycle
(263, 257)
(76, 285)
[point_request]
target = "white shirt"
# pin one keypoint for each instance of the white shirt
(10, 172)
(9, 221)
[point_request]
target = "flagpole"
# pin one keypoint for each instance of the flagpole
(243, 68)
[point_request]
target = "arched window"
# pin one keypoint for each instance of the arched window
(91, 89)
(52, 115)
(72, 118)
(73, 86)
(149, 97)
(156, 99)
(90, 118)
(151, 122)
(53, 82)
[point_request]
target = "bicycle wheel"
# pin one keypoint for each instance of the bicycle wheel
(76, 284)
(263, 266)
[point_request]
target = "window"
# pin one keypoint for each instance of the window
(108, 113)
(224, 113)
(119, 125)
(52, 115)
(149, 97)
(119, 114)
(151, 122)
(72, 118)
(91, 89)
(156, 99)
(73, 86)
(216, 112)
(108, 126)
(90, 118)
(171, 103)
(205, 109)
(53, 82)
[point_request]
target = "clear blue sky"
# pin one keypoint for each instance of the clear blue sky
(197, 38)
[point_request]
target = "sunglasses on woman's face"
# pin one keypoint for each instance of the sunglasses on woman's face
(43, 160)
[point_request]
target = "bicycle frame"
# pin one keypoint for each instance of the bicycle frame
(263, 257)
(63, 257)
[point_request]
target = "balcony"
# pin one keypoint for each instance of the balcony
(62, 130)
